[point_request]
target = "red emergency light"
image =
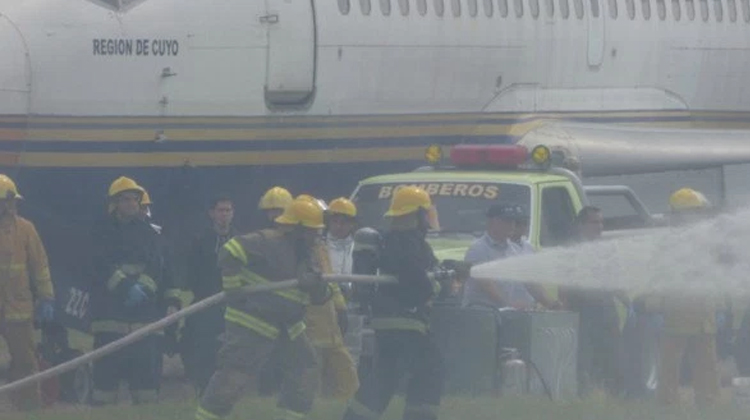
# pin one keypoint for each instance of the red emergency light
(508, 155)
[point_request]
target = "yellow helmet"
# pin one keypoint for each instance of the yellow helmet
(688, 199)
(275, 198)
(146, 200)
(408, 200)
(343, 206)
(8, 188)
(308, 197)
(123, 184)
(303, 212)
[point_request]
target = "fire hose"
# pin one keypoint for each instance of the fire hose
(175, 317)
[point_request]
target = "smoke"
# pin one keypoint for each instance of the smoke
(709, 257)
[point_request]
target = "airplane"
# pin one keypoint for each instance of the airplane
(195, 97)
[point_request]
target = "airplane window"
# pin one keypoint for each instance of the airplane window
(704, 10)
(595, 8)
(676, 12)
(646, 9)
(488, 8)
(473, 8)
(718, 10)
(732, 7)
(661, 8)
(550, 6)
(344, 7)
(746, 10)
(564, 9)
(422, 7)
(365, 7)
(518, 5)
(403, 5)
(690, 9)
(578, 5)
(630, 4)
(534, 8)
(385, 7)
(439, 8)
(613, 9)
(502, 6)
(456, 7)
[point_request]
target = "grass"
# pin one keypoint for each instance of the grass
(453, 408)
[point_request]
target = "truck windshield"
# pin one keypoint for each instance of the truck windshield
(459, 206)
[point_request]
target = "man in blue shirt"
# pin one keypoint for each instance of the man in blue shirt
(493, 245)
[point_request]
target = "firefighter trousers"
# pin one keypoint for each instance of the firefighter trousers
(336, 372)
(19, 337)
(138, 364)
(242, 356)
(704, 363)
(399, 352)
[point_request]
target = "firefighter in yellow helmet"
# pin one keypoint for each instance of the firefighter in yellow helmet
(337, 375)
(689, 320)
(26, 292)
(274, 201)
(128, 291)
(400, 317)
(260, 325)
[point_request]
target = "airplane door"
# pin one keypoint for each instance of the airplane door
(596, 32)
(290, 76)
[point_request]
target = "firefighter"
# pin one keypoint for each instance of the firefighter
(201, 339)
(260, 325)
(273, 203)
(127, 292)
(689, 320)
(326, 324)
(26, 292)
(401, 317)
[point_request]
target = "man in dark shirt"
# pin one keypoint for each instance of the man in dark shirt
(599, 337)
(201, 333)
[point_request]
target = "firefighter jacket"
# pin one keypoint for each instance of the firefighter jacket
(321, 320)
(203, 276)
(126, 253)
(262, 257)
(405, 305)
(24, 270)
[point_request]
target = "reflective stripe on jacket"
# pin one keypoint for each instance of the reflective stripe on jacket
(24, 269)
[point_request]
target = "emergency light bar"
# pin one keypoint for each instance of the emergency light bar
(507, 155)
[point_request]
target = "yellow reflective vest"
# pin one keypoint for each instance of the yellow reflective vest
(24, 269)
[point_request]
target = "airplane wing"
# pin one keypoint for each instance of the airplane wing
(608, 150)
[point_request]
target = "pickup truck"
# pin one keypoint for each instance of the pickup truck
(481, 175)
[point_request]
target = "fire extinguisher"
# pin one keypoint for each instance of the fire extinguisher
(513, 373)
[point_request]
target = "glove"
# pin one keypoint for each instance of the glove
(462, 268)
(136, 296)
(313, 283)
(343, 319)
(45, 310)
(639, 306)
